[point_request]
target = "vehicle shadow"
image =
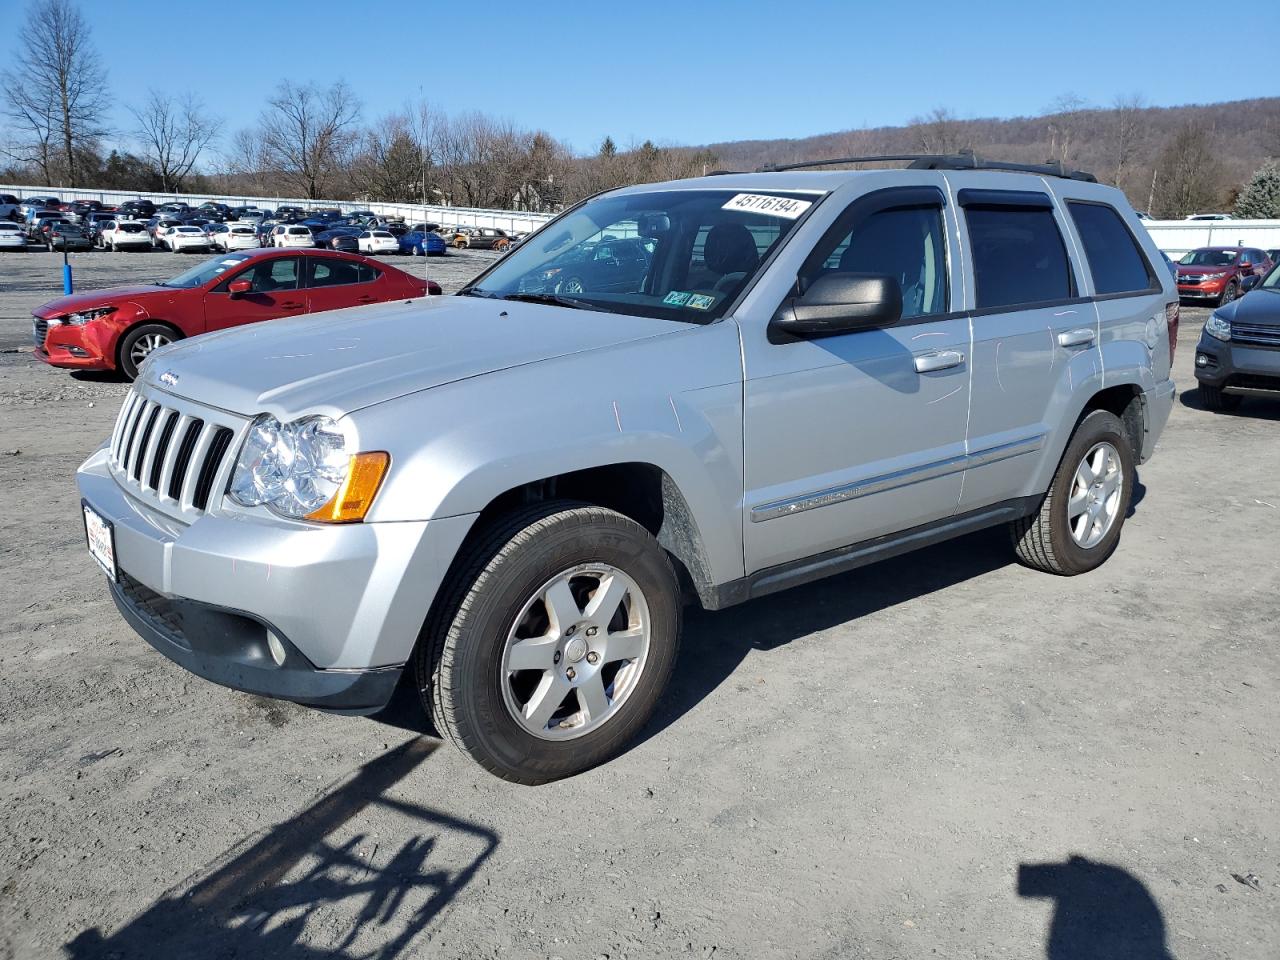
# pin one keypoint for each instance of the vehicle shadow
(714, 644)
(1101, 911)
(308, 889)
(1251, 407)
(97, 376)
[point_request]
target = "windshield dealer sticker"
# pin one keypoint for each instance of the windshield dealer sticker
(700, 301)
(770, 206)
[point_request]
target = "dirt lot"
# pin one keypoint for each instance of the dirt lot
(944, 754)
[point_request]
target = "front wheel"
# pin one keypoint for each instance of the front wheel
(1078, 524)
(551, 647)
(139, 343)
(1228, 294)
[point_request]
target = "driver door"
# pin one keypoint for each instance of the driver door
(862, 434)
(276, 292)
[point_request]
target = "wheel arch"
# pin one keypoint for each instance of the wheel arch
(642, 491)
(142, 321)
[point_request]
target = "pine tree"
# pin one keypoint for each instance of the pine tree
(1260, 198)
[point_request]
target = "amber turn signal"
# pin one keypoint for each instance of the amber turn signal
(355, 496)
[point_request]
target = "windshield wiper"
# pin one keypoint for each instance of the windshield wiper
(554, 299)
(476, 292)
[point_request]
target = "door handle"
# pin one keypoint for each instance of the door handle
(941, 360)
(365, 299)
(290, 304)
(1076, 338)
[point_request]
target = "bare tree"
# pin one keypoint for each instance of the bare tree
(388, 161)
(307, 134)
(57, 96)
(1190, 173)
(939, 131)
(1128, 132)
(1067, 121)
(173, 134)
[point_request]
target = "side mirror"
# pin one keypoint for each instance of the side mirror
(1250, 282)
(1245, 264)
(838, 303)
(238, 288)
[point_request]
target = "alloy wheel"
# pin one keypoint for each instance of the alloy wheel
(144, 346)
(1097, 489)
(575, 652)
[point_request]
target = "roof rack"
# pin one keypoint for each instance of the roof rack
(944, 161)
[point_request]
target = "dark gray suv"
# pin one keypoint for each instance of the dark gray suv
(1239, 349)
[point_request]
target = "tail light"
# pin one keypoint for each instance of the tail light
(1172, 317)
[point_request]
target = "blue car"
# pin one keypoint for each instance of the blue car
(417, 243)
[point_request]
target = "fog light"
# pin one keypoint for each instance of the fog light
(1201, 360)
(276, 648)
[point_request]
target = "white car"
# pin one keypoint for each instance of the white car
(12, 236)
(180, 239)
(125, 235)
(377, 241)
(1211, 216)
(234, 236)
(290, 235)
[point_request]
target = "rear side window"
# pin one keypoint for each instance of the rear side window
(1115, 261)
(1018, 256)
(333, 273)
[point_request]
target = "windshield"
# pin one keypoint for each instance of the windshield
(669, 254)
(204, 272)
(1272, 280)
(1209, 258)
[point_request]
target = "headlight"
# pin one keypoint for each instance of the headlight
(1217, 327)
(303, 469)
(84, 316)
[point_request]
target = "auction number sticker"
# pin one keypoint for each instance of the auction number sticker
(770, 206)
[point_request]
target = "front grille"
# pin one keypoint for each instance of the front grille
(171, 453)
(1254, 333)
(39, 332)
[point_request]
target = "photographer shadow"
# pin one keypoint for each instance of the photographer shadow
(1101, 912)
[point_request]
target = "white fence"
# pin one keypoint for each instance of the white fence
(513, 221)
(1176, 237)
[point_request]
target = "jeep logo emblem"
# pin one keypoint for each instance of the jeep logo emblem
(169, 378)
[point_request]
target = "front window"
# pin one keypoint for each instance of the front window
(669, 254)
(1272, 281)
(202, 273)
(1209, 258)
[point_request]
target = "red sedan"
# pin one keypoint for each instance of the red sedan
(116, 329)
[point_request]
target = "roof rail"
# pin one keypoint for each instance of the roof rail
(944, 161)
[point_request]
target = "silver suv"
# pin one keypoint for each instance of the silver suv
(507, 496)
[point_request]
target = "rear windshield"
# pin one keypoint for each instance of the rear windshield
(298, 231)
(130, 227)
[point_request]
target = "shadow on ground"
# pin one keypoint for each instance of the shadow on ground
(1101, 911)
(260, 901)
(1251, 407)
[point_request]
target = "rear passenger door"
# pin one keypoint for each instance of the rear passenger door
(334, 283)
(1035, 334)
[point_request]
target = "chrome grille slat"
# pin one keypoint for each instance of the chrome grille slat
(174, 454)
(1256, 333)
(186, 499)
(171, 456)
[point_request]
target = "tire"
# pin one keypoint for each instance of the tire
(1216, 400)
(461, 660)
(1048, 539)
(139, 341)
(570, 286)
(1229, 294)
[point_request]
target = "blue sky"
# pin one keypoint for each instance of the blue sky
(696, 71)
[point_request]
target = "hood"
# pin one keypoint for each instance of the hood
(98, 298)
(1259, 307)
(341, 360)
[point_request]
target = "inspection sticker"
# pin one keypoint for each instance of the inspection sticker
(676, 298)
(700, 301)
(771, 206)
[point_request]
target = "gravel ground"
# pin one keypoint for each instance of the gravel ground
(943, 754)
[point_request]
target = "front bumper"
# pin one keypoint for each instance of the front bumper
(1209, 290)
(88, 346)
(346, 602)
(1228, 365)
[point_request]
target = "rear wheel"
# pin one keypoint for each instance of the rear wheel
(1078, 524)
(552, 645)
(139, 343)
(1215, 399)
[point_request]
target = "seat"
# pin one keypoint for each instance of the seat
(730, 250)
(877, 248)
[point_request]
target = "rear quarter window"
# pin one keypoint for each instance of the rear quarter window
(1116, 262)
